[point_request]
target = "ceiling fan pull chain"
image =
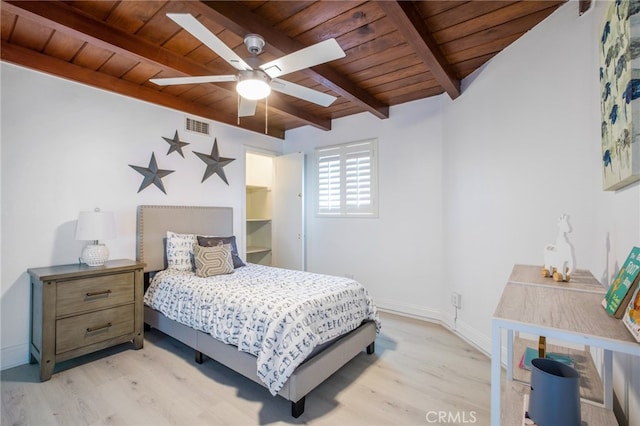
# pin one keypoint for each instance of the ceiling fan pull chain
(238, 109)
(266, 115)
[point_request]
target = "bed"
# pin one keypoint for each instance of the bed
(154, 222)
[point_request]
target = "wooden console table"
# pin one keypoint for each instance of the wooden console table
(569, 312)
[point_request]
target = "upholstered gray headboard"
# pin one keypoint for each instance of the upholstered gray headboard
(155, 221)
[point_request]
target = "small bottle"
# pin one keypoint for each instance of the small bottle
(542, 347)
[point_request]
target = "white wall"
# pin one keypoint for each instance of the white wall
(398, 255)
(527, 152)
(517, 149)
(67, 147)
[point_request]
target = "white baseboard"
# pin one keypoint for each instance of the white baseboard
(13, 356)
(474, 337)
(409, 310)
(461, 329)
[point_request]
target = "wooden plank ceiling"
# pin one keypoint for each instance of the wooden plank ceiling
(396, 52)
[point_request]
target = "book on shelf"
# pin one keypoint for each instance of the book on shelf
(631, 317)
(620, 292)
(531, 353)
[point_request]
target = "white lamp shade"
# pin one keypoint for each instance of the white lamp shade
(96, 225)
(253, 85)
(253, 89)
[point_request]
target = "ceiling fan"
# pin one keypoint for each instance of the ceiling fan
(255, 79)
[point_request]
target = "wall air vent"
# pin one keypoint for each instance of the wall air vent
(196, 126)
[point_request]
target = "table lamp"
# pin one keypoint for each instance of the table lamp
(95, 225)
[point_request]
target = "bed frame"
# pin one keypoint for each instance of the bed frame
(153, 224)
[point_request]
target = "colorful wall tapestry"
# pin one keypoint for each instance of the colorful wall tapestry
(620, 94)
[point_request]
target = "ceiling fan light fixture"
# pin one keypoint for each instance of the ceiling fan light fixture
(253, 85)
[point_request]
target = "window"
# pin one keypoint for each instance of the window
(347, 180)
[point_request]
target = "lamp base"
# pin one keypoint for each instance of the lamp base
(95, 254)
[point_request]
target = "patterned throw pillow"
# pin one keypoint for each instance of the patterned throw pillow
(180, 251)
(212, 261)
(214, 241)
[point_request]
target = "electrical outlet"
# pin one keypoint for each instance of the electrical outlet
(456, 300)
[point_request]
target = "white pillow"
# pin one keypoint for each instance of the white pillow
(180, 251)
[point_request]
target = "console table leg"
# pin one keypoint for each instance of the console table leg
(496, 352)
(509, 355)
(607, 379)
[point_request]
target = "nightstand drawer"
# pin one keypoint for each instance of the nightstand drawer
(82, 330)
(87, 294)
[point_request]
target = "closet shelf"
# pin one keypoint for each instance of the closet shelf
(254, 249)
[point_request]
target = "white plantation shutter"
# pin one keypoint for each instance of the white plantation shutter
(329, 182)
(347, 179)
(358, 180)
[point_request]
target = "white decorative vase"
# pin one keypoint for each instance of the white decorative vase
(95, 254)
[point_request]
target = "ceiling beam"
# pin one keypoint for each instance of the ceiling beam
(50, 65)
(241, 20)
(583, 6)
(410, 24)
(68, 20)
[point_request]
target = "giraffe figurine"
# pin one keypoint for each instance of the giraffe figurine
(558, 257)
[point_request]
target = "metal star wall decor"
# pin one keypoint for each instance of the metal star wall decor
(152, 175)
(214, 162)
(175, 144)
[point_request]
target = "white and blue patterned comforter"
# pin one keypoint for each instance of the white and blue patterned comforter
(278, 315)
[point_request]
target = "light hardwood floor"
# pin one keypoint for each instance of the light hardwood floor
(419, 371)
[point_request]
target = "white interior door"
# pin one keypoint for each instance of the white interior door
(288, 212)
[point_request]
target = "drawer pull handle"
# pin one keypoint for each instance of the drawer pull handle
(100, 327)
(98, 293)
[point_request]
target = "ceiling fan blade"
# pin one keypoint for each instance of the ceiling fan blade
(313, 55)
(199, 31)
(247, 107)
(192, 80)
(302, 92)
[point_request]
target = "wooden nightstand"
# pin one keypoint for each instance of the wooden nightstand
(77, 309)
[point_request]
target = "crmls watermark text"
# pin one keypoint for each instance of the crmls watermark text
(457, 417)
